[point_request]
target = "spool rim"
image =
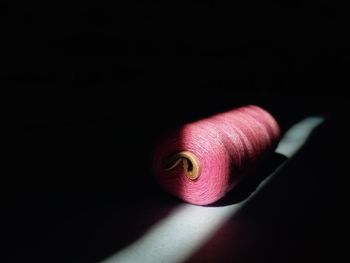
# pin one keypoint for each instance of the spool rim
(189, 162)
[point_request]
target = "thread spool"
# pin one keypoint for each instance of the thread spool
(201, 161)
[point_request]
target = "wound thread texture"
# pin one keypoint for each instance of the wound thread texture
(201, 161)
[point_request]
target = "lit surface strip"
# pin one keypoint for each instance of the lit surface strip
(178, 236)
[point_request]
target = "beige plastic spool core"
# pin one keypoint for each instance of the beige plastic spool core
(189, 161)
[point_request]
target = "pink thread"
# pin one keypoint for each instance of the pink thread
(225, 145)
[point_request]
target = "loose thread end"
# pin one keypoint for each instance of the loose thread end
(189, 161)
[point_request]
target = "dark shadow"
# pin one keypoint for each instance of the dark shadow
(249, 184)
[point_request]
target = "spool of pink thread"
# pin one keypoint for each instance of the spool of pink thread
(201, 161)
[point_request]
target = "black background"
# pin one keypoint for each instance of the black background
(86, 90)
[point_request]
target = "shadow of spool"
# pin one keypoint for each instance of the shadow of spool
(252, 180)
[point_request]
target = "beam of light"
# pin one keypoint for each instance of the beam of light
(177, 237)
(297, 135)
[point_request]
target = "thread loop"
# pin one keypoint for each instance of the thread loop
(189, 161)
